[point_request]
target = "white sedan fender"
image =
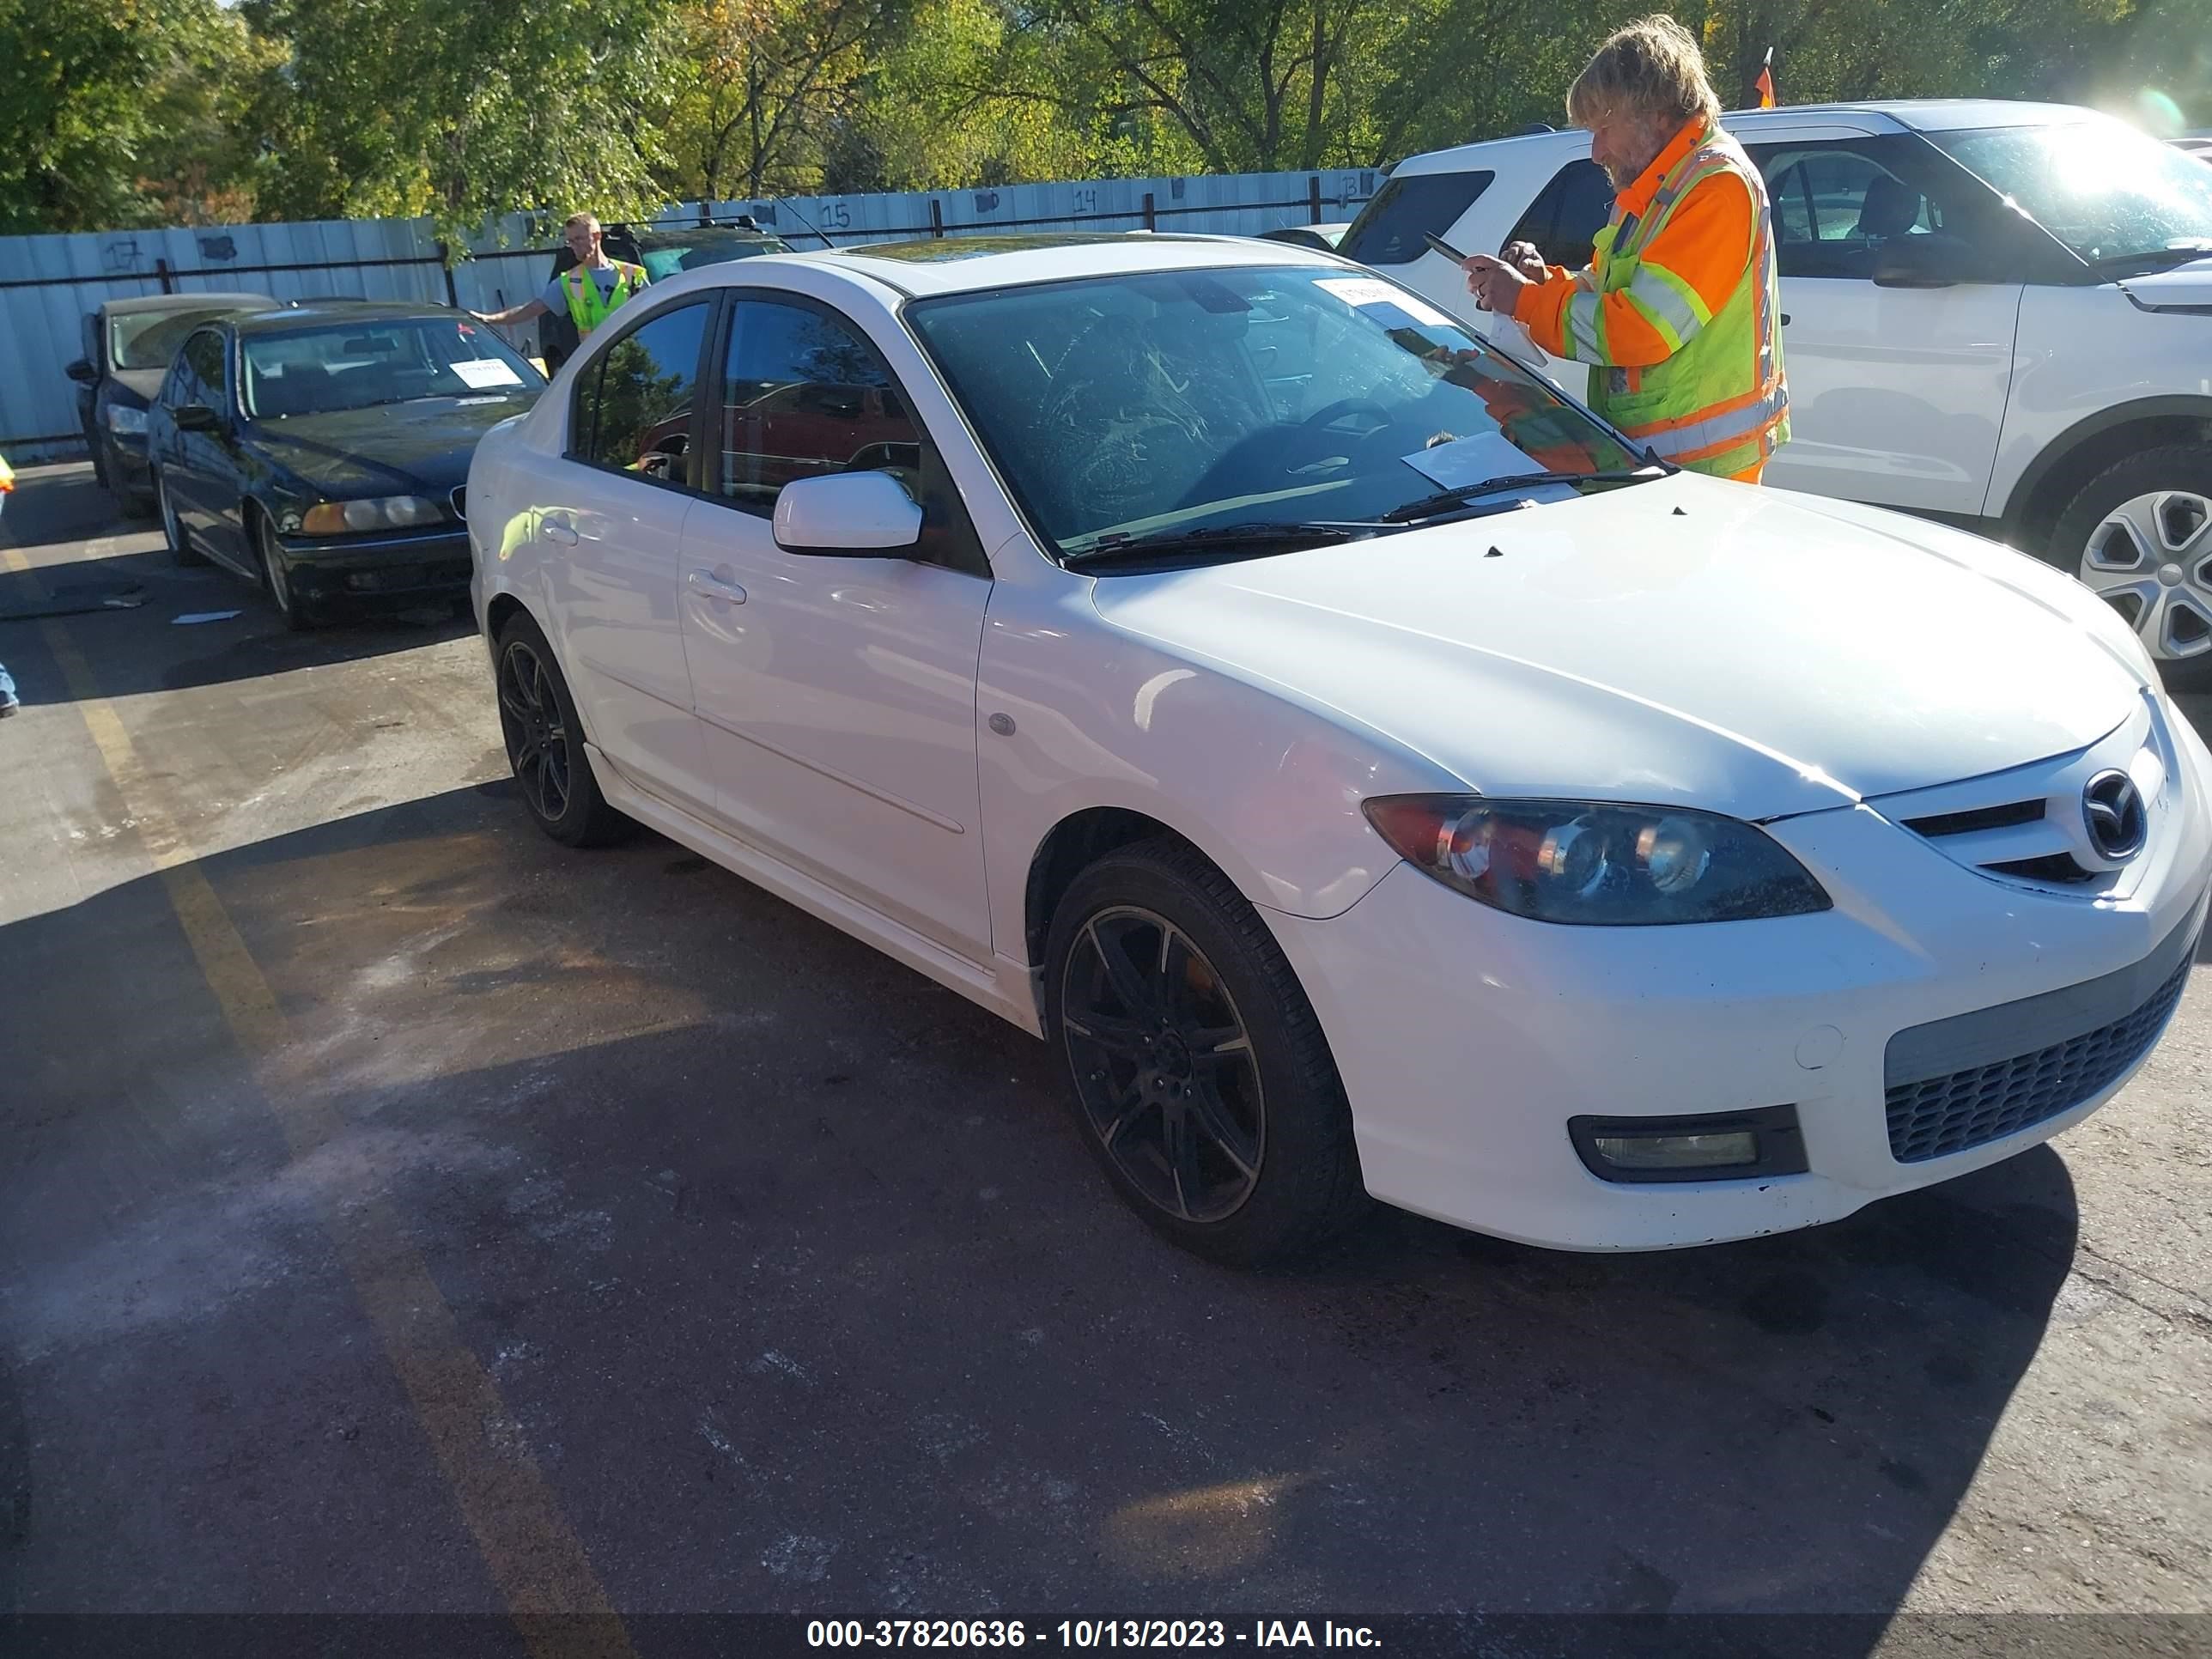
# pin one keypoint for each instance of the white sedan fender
(1278, 811)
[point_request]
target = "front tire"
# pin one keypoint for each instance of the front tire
(1198, 1074)
(277, 576)
(173, 528)
(545, 744)
(2140, 533)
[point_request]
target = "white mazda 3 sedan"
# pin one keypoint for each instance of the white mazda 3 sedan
(1366, 773)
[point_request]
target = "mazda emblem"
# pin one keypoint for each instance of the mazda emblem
(2113, 808)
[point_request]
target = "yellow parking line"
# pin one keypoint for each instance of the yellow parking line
(538, 1563)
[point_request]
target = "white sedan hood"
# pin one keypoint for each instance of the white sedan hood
(1752, 652)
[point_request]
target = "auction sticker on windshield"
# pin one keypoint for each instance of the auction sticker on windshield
(1472, 460)
(483, 373)
(1372, 291)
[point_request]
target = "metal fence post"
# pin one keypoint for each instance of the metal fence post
(936, 217)
(445, 264)
(1151, 218)
(161, 271)
(1313, 196)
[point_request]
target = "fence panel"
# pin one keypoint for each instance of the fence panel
(49, 284)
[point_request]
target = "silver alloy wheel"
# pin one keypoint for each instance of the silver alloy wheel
(170, 527)
(272, 570)
(2151, 560)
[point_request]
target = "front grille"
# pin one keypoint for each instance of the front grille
(2059, 868)
(1963, 1109)
(2002, 817)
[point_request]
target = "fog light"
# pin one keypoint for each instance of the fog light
(1722, 1146)
(1677, 1151)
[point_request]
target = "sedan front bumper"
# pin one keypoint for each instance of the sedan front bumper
(1468, 1039)
(396, 568)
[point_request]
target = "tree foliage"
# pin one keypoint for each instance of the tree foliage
(120, 113)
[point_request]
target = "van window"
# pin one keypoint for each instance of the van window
(1390, 228)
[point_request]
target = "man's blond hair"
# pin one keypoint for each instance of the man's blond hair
(1652, 69)
(582, 221)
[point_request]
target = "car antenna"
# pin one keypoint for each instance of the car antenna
(785, 201)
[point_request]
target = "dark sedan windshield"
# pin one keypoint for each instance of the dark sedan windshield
(2105, 189)
(320, 371)
(1125, 405)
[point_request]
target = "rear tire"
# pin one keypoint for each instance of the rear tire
(2139, 534)
(546, 743)
(1198, 1074)
(180, 549)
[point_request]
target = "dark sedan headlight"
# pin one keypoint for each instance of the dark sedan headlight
(126, 423)
(379, 513)
(1595, 864)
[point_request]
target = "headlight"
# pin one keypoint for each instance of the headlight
(1595, 864)
(387, 512)
(132, 421)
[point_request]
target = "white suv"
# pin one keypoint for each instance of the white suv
(1998, 314)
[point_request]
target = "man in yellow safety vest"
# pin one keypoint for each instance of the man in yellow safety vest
(1678, 314)
(587, 291)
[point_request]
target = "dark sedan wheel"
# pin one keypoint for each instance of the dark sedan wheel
(277, 577)
(1199, 1074)
(179, 549)
(545, 744)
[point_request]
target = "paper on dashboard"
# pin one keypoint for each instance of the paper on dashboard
(483, 373)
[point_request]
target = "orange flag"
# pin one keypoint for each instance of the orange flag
(1765, 81)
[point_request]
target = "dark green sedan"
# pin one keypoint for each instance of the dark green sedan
(322, 451)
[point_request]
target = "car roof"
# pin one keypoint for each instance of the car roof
(335, 312)
(1905, 114)
(961, 264)
(158, 302)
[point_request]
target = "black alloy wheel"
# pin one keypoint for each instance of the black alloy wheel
(545, 744)
(1197, 1067)
(536, 733)
(1163, 1065)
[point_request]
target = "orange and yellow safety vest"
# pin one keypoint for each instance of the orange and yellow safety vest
(1679, 314)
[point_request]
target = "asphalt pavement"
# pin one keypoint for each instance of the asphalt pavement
(401, 1214)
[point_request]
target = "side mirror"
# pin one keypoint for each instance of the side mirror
(81, 371)
(198, 417)
(1931, 261)
(847, 514)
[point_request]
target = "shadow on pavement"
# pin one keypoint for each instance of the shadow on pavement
(802, 1292)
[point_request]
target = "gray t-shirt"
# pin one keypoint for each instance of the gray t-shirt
(556, 297)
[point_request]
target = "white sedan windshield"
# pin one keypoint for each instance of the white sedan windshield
(1129, 404)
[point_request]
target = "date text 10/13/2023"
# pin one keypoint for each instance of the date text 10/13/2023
(1086, 1633)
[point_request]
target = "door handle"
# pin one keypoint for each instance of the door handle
(715, 588)
(558, 530)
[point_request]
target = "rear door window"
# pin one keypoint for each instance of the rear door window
(1390, 228)
(633, 408)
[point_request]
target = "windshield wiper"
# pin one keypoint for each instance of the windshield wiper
(1255, 535)
(2153, 257)
(1429, 506)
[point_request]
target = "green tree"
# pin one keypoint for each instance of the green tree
(765, 90)
(120, 113)
(419, 106)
